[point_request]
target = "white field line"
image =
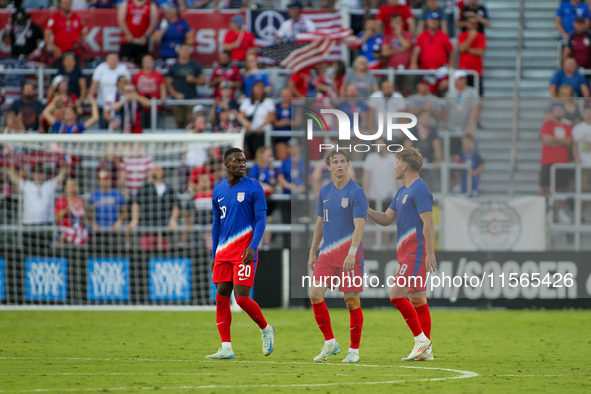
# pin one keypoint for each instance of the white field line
(462, 375)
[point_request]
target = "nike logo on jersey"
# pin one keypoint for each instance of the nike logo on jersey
(325, 201)
(220, 199)
(217, 324)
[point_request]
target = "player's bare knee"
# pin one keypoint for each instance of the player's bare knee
(416, 302)
(316, 300)
(352, 303)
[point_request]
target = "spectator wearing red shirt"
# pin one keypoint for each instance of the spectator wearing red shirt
(579, 44)
(70, 215)
(225, 71)
(69, 31)
(238, 41)
(472, 47)
(138, 20)
(397, 46)
(433, 48)
(299, 83)
(556, 135)
(150, 84)
(392, 7)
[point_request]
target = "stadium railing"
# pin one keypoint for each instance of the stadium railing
(578, 196)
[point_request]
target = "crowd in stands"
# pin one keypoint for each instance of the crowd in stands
(132, 189)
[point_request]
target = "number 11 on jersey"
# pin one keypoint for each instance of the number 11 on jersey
(326, 215)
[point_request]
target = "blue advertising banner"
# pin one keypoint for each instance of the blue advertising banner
(108, 279)
(46, 279)
(2, 279)
(170, 279)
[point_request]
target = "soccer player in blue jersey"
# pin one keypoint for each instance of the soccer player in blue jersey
(412, 209)
(240, 216)
(342, 210)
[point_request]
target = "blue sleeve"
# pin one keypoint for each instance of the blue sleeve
(186, 26)
(92, 200)
(121, 198)
(423, 199)
(586, 11)
(216, 227)
(555, 78)
(56, 126)
(320, 204)
(266, 79)
(479, 160)
(259, 205)
(81, 128)
(581, 79)
(393, 203)
(285, 170)
(359, 204)
(560, 10)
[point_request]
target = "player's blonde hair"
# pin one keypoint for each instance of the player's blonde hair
(412, 157)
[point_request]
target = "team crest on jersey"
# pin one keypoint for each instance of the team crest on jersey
(345, 202)
(404, 199)
(240, 197)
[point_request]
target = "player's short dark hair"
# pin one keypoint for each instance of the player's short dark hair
(330, 155)
(230, 151)
(412, 157)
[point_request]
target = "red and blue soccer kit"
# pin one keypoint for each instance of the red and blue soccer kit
(408, 204)
(240, 214)
(339, 208)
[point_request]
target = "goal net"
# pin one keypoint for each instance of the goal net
(108, 219)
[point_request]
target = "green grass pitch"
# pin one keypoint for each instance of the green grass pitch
(476, 352)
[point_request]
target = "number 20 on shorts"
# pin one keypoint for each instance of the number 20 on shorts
(244, 271)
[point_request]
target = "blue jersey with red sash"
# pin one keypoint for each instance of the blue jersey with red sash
(409, 203)
(235, 207)
(339, 208)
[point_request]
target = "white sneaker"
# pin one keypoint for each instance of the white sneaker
(268, 341)
(418, 350)
(351, 357)
(563, 217)
(223, 353)
(327, 351)
(427, 355)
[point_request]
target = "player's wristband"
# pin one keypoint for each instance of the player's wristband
(352, 251)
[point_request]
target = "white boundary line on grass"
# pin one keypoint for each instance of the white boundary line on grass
(463, 375)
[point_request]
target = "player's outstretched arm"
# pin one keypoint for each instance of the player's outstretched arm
(317, 237)
(382, 218)
(349, 263)
(429, 234)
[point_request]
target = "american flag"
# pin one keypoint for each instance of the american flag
(306, 49)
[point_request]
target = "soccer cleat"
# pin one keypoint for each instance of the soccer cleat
(268, 341)
(223, 353)
(418, 350)
(427, 355)
(351, 357)
(326, 352)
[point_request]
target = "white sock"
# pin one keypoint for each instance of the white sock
(266, 328)
(421, 338)
(356, 351)
(331, 342)
(227, 344)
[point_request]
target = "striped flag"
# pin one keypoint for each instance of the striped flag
(311, 48)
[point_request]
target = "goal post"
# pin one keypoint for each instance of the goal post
(108, 220)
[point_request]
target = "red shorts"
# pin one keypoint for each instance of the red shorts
(333, 276)
(412, 274)
(235, 272)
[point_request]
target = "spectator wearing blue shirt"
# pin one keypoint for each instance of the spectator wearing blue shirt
(69, 125)
(370, 41)
(282, 121)
(252, 75)
(107, 208)
(569, 75)
(291, 177)
(472, 157)
(351, 105)
(567, 12)
(263, 171)
(172, 32)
